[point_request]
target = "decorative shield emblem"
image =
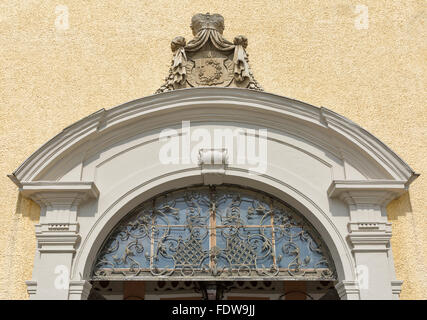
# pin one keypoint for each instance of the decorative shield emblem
(210, 72)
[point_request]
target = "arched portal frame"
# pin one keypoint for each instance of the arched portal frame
(327, 230)
(335, 173)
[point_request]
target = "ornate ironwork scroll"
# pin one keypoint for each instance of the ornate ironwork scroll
(214, 233)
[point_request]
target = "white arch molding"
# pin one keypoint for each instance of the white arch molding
(336, 174)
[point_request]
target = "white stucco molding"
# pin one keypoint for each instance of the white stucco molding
(79, 290)
(59, 195)
(109, 217)
(57, 235)
(107, 147)
(368, 229)
(57, 241)
(58, 230)
(348, 290)
(82, 189)
(375, 192)
(396, 286)
(369, 237)
(352, 132)
(31, 288)
(249, 106)
(213, 164)
(369, 232)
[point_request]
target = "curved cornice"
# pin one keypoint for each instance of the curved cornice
(269, 104)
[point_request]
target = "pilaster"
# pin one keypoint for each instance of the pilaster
(57, 235)
(369, 233)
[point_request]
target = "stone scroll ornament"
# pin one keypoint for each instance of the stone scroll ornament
(209, 59)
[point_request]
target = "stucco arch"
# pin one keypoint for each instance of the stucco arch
(337, 174)
(320, 126)
(122, 205)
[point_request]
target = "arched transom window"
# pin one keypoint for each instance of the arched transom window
(214, 233)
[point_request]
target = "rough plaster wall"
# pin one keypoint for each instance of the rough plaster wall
(116, 51)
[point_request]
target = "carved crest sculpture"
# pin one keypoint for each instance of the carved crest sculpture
(209, 59)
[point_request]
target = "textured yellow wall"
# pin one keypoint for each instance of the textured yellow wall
(116, 51)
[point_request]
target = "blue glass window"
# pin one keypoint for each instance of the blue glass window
(214, 233)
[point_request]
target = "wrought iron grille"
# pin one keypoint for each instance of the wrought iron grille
(214, 233)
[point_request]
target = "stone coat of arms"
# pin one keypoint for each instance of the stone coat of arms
(209, 59)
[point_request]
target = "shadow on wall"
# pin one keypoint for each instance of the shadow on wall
(22, 242)
(27, 208)
(399, 207)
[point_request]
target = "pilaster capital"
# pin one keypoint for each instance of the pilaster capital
(369, 227)
(58, 229)
(366, 192)
(59, 195)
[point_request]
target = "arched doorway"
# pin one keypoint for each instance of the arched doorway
(214, 242)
